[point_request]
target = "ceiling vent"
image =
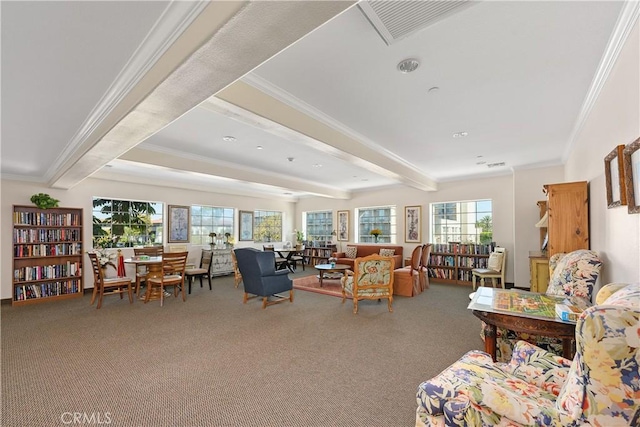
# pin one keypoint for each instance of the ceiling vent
(495, 165)
(395, 20)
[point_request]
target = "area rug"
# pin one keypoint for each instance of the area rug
(312, 284)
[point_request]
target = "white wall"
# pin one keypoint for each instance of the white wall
(18, 193)
(498, 189)
(613, 120)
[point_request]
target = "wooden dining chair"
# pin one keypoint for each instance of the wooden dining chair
(113, 285)
(237, 276)
(281, 263)
(175, 263)
(142, 271)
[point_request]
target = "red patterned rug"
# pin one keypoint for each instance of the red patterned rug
(312, 284)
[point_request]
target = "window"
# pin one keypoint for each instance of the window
(465, 222)
(210, 219)
(382, 218)
(319, 225)
(267, 226)
(124, 223)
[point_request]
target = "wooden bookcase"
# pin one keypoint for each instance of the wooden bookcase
(318, 254)
(453, 262)
(47, 254)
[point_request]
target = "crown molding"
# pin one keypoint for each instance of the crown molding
(175, 19)
(627, 19)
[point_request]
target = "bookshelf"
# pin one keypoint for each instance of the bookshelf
(318, 254)
(47, 254)
(452, 262)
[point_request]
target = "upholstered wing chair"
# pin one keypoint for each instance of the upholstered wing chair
(600, 387)
(372, 278)
(260, 277)
(572, 274)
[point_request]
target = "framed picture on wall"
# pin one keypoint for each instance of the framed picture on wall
(343, 226)
(178, 224)
(412, 224)
(246, 225)
(614, 178)
(631, 156)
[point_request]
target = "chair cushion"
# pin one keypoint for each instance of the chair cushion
(192, 271)
(351, 252)
(387, 252)
(167, 278)
(348, 287)
(495, 262)
(575, 274)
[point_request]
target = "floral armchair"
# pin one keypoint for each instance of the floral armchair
(600, 387)
(572, 274)
(372, 278)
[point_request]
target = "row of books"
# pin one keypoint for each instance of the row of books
(464, 275)
(473, 262)
(41, 290)
(21, 235)
(46, 218)
(442, 273)
(464, 248)
(40, 272)
(26, 251)
(445, 260)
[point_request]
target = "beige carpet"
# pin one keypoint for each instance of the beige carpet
(214, 361)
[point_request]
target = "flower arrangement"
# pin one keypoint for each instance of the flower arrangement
(231, 241)
(105, 257)
(375, 232)
(299, 236)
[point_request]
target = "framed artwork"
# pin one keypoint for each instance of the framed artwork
(412, 224)
(614, 178)
(631, 157)
(179, 218)
(246, 225)
(343, 226)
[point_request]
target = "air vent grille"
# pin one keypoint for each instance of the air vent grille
(495, 165)
(395, 20)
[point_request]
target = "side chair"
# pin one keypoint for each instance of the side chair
(372, 278)
(406, 280)
(114, 285)
(424, 266)
(237, 276)
(173, 265)
(203, 271)
(496, 267)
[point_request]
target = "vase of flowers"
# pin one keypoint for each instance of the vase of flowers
(376, 232)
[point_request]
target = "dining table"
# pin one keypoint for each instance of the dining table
(154, 269)
(286, 254)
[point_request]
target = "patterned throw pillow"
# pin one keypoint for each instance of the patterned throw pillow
(387, 252)
(351, 252)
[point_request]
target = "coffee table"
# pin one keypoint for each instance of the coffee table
(521, 318)
(331, 268)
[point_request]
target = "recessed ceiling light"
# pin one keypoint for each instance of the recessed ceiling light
(259, 147)
(434, 89)
(460, 134)
(229, 138)
(288, 194)
(108, 166)
(291, 159)
(317, 165)
(365, 179)
(408, 65)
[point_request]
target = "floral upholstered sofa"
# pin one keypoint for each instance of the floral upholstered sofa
(600, 387)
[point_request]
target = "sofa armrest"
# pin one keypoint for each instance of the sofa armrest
(338, 255)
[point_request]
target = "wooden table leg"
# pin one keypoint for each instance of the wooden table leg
(567, 348)
(321, 276)
(490, 340)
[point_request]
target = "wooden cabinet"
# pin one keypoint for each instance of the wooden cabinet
(539, 269)
(47, 254)
(221, 263)
(568, 223)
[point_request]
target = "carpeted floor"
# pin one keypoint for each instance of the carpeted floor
(213, 361)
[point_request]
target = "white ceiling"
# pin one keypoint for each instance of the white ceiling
(513, 75)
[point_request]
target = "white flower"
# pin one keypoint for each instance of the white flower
(105, 257)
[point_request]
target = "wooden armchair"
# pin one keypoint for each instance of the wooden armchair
(114, 285)
(237, 276)
(372, 278)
